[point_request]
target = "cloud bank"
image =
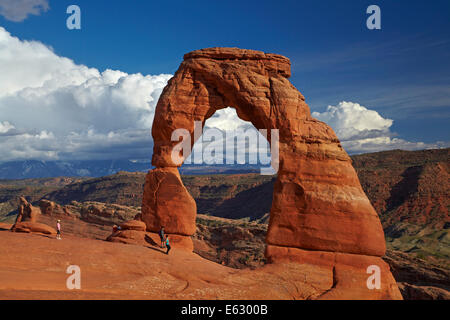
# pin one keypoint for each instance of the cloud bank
(52, 108)
(362, 130)
(19, 10)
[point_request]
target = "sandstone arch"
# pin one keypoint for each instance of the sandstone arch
(318, 203)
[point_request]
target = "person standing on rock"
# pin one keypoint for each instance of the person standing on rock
(167, 244)
(58, 230)
(162, 237)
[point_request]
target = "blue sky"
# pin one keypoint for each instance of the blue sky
(401, 71)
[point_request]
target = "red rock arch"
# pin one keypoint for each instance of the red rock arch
(318, 203)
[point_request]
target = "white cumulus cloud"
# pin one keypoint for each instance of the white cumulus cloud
(5, 126)
(19, 10)
(351, 120)
(364, 130)
(221, 133)
(227, 119)
(53, 108)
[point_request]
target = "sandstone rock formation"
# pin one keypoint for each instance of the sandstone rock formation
(27, 212)
(5, 226)
(134, 232)
(33, 227)
(413, 292)
(105, 214)
(318, 203)
(131, 232)
(51, 208)
(162, 186)
(419, 279)
(133, 225)
(26, 220)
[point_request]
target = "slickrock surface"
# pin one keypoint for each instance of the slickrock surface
(34, 267)
(134, 232)
(5, 226)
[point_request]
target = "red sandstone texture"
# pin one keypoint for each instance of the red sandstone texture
(27, 212)
(167, 203)
(165, 197)
(133, 225)
(34, 267)
(26, 220)
(5, 226)
(318, 202)
(134, 232)
(51, 208)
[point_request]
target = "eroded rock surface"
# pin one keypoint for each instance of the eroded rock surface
(166, 202)
(135, 232)
(318, 203)
(27, 218)
(51, 208)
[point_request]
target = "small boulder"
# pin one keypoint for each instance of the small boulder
(130, 232)
(133, 225)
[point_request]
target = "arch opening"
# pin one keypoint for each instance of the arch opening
(226, 140)
(233, 198)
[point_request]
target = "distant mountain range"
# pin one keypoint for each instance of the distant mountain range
(45, 169)
(30, 169)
